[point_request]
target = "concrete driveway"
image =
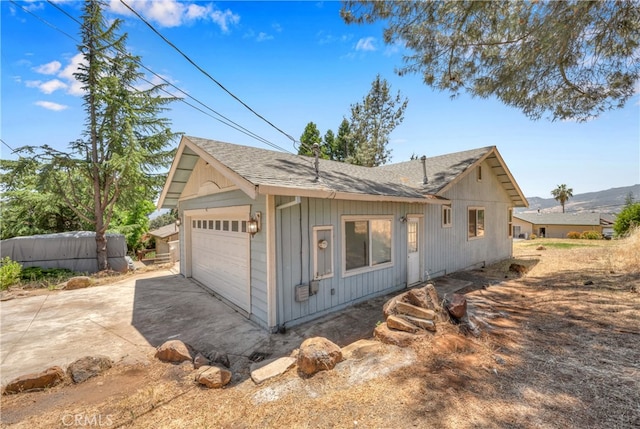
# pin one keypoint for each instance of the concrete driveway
(128, 319)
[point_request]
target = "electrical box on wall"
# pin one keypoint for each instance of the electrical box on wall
(314, 286)
(302, 293)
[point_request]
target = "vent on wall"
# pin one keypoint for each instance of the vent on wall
(302, 293)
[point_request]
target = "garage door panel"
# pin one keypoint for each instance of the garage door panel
(220, 260)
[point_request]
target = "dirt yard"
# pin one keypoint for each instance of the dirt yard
(559, 348)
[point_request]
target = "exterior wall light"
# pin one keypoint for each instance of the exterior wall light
(254, 225)
(178, 222)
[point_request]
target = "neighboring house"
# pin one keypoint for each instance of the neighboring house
(164, 236)
(558, 225)
(332, 236)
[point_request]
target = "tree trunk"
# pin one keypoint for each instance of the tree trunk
(101, 250)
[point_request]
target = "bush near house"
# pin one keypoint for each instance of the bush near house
(574, 235)
(9, 273)
(591, 235)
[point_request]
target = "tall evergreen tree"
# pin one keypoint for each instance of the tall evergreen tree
(343, 145)
(309, 137)
(372, 121)
(125, 142)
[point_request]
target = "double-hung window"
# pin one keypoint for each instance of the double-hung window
(476, 222)
(367, 243)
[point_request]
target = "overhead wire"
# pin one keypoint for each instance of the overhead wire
(192, 62)
(226, 121)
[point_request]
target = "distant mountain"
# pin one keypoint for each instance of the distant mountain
(609, 201)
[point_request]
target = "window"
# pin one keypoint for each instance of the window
(510, 222)
(322, 252)
(446, 216)
(367, 243)
(476, 222)
(479, 173)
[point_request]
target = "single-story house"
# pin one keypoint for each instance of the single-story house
(286, 238)
(558, 225)
(165, 235)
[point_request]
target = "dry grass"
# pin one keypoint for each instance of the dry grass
(559, 349)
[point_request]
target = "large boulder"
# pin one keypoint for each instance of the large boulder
(87, 367)
(35, 381)
(317, 354)
(173, 351)
(456, 305)
(213, 377)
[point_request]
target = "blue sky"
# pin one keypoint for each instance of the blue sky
(293, 62)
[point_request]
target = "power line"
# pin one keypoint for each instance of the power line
(4, 143)
(226, 121)
(204, 72)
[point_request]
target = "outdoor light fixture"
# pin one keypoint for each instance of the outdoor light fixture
(178, 222)
(403, 219)
(254, 225)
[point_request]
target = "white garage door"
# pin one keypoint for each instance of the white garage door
(220, 257)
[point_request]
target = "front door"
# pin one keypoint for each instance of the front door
(413, 251)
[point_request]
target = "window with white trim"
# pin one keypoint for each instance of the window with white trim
(446, 216)
(476, 222)
(367, 243)
(322, 252)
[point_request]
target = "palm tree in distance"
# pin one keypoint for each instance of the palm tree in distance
(562, 194)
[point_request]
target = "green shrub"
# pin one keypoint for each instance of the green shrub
(9, 273)
(591, 235)
(574, 235)
(627, 219)
(45, 275)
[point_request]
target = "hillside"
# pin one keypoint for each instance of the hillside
(608, 201)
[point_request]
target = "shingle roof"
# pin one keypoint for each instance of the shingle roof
(257, 170)
(165, 231)
(560, 218)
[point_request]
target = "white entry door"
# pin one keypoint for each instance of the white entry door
(413, 251)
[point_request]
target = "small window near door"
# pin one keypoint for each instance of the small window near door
(446, 217)
(412, 237)
(476, 222)
(322, 252)
(479, 173)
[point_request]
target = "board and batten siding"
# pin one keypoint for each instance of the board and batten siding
(294, 250)
(257, 244)
(448, 249)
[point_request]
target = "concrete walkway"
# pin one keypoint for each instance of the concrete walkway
(127, 320)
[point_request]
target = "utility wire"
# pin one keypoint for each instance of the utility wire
(226, 121)
(4, 143)
(205, 72)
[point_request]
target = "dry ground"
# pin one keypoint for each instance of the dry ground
(560, 348)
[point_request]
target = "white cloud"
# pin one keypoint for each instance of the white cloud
(366, 44)
(263, 37)
(223, 19)
(73, 86)
(51, 106)
(52, 85)
(33, 83)
(174, 13)
(49, 68)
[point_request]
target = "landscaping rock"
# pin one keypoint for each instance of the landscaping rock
(218, 357)
(412, 310)
(173, 351)
(79, 282)
(199, 361)
(419, 298)
(428, 325)
(361, 348)
(263, 371)
(35, 381)
(518, 268)
(213, 377)
(318, 354)
(456, 305)
(87, 367)
(433, 296)
(400, 324)
(389, 336)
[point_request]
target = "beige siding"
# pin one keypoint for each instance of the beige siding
(205, 180)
